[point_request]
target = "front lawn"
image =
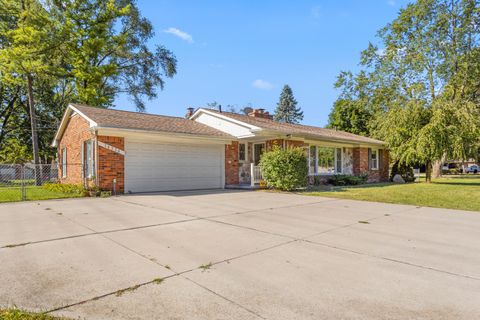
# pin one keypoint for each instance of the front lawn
(15, 314)
(453, 193)
(10, 194)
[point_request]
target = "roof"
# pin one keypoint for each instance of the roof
(119, 119)
(298, 129)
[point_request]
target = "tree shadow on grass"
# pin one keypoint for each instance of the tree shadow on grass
(463, 184)
(346, 188)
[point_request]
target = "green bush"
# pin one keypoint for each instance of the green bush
(347, 180)
(403, 170)
(65, 188)
(285, 169)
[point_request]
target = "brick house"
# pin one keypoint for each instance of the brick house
(138, 152)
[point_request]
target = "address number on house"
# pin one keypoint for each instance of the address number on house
(111, 148)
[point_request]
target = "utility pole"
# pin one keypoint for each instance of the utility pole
(33, 123)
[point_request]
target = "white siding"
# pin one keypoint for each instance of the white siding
(223, 125)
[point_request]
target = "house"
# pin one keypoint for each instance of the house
(138, 152)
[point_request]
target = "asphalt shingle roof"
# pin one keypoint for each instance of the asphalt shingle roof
(299, 129)
(120, 119)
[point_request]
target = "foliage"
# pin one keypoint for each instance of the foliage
(287, 110)
(14, 193)
(347, 180)
(285, 169)
(16, 314)
(403, 170)
(451, 193)
(65, 188)
(419, 89)
(84, 51)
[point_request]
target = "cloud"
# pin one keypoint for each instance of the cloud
(179, 33)
(262, 84)
(392, 2)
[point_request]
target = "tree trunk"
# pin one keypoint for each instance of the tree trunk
(33, 123)
(437, 169)
(428, 172)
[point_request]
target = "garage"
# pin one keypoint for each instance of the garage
(161, 166)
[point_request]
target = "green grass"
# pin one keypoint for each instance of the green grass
(15, 314)
(10, 194)
(461, 193)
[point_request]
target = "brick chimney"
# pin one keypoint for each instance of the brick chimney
(260, 113)
(189, 112)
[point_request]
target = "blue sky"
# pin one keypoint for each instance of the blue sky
(243, 52)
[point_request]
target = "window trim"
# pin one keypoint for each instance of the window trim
(244, 153)
(316, 169)
(64, 162)
(341, 161)
(89, 175)
(377, 153)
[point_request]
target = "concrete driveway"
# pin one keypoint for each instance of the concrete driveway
(239, 255)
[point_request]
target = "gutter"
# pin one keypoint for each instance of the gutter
(169, 134)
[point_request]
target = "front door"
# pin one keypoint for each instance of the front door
(258, 150)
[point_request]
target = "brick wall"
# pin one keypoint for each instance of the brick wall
(76, 132)
(294, 144)
(360, 164)
(270, 144)
(111, 165)
(231, 163)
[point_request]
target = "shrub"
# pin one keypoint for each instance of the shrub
(347, 180)
(285, 169)
(403, 170)
(65, 188)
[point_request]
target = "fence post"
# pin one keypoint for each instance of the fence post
(22, 178)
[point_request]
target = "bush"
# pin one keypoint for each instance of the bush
(403, 170)
(65, 188)
(285, 169)
(347, 180)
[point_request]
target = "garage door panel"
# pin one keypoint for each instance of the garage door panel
(153, 166)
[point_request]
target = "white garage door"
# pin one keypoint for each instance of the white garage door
(154, 166)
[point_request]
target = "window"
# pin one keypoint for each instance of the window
(326, 160)
(242, 151)
(89, 159)
(374, 159)
(258, 150)
(64, 162)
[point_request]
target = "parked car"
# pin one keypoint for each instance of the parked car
(473, 169)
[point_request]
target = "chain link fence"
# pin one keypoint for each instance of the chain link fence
(20, 182)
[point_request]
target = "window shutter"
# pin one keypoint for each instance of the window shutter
(369, 158)
(380, 152)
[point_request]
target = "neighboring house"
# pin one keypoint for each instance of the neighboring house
(140, 152)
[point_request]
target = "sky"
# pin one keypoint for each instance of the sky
(243, 52)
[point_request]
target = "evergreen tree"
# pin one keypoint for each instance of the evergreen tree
(287, 110)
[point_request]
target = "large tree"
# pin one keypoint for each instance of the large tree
(287, 110)
(424, 82)
(84, 51)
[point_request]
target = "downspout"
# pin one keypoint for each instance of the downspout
(95, 134)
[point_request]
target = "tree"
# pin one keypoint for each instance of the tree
(423, 85)
(287, 110)
(85, 51)
(28, 52)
